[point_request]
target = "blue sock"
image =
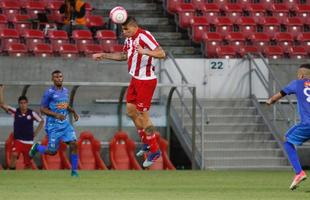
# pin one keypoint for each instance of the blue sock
(41, 149)
(74, 162)
(292, 156)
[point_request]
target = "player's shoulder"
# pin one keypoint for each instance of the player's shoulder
(49, 90)
(65, 89)
(145, 32)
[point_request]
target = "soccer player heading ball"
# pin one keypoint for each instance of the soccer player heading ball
(299, 133)
(55, 104)
(141, 52)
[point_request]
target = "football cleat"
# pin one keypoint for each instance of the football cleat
(298, 179)
(151, 158)
(74, 173)
(145, 149)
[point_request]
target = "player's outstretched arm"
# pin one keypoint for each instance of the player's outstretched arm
(39, 128)
(275, 98)
(2, 103)
(156, 53)
(48, 112)
(75, 115)
(119, 56)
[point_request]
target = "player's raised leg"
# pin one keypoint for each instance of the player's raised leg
(295, 136)
(133, 113)
(50, 149)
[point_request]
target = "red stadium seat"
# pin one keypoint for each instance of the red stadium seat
(267, 4)
(260, 40)
(304, 39)
(285, 40)
(224, 25)
(92, 48)
(248, 49)
(122, 153)
(8, 36)
(8, 152)
(3, 22)
(95, 21)
(57, 38)
(303, 11)
(271, 26)
(233, 11)
(17, 49)
(21, 22)
(199, 27)
(57, 161)
(280, 10)
(186, 13)
(257, 11)
(42, 50)
(291, 4)
(226, 52)
(88, 8)
(106, 38)
(33, 37)
(53, 6)
(89, 152)
(172, 5)
(211, 41)
(211, 11)
(198, 4)
(247, 25)
(298, 52)
(34, 7)
(236, 39)
(274, 52)
(163, 162)
(220, 2)
(81, 38)
(294, 25)
(10, 7)
(67, 50)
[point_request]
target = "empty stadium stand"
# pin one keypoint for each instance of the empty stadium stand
(272, 18)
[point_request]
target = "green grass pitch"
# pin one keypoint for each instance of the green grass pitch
(149, 185)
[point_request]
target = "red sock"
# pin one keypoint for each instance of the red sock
(152, 142)
(142, 135)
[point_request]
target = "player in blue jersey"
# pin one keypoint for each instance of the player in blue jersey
(299, 133)
(55, 104)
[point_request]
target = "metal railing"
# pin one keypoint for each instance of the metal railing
(272, 85)
(277, 110)
(187, 111)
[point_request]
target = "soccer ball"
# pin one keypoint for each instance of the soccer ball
(118, 15)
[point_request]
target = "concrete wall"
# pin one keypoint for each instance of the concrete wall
(217, 78)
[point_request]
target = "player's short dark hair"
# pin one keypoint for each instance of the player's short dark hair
(21, 98)
(129, 20)
(306, 66)
(56, 72)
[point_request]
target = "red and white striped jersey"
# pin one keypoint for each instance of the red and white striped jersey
(141, 66)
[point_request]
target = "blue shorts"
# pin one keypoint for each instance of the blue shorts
(298, 134)
(56, 134)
